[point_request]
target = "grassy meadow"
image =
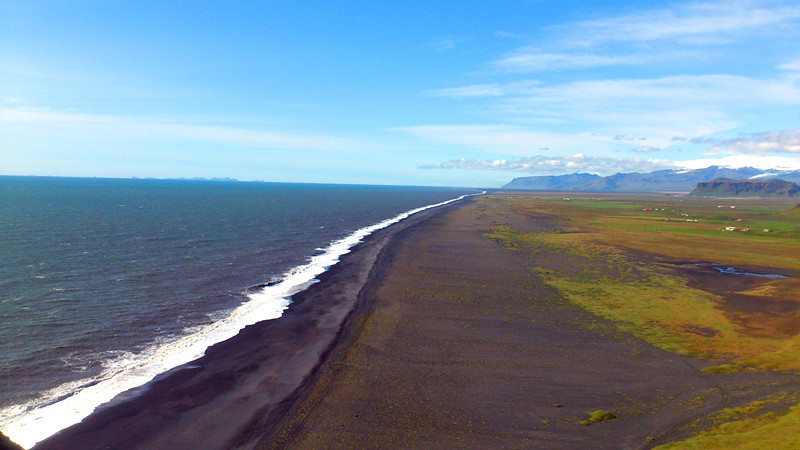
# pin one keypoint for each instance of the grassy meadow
(646, 263)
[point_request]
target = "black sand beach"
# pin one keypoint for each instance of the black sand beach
(461, 347)
(427, 334)
(232, 396)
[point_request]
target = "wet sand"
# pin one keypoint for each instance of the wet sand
(428, 334)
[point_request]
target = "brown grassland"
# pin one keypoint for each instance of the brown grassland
(651, 266)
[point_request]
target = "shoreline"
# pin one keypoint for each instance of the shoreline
(459, 344)
(434, 332)
(250, 376)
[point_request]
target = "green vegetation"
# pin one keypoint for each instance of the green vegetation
(725, 368)
(598, 416)
(617, 258)
(749, 427)
(771, 187)
(657, 307)
(694, 403)
(591, 252)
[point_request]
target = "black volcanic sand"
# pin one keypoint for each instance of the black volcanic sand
(459, 344)
(426, 335)
(230, 396)
(7, 444)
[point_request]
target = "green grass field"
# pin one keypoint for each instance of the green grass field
(618, 252)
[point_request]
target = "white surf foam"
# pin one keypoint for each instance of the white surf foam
(68, 404)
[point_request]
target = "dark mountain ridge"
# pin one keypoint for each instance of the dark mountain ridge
(668, 180)
(553, 182)
(724, 187)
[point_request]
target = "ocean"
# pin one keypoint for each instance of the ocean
(106, 283)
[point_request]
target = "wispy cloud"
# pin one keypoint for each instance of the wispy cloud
(765, 162)
(656, 109)
(786, 141)
(99, 126)
(534, 60)
(792, 66)
(634, 111)
(678, 33)
(547, 165)
(508, 35)
(446, 43)
(668, 91)
(622, 137)
(682, 90)
(487, 90)
(475, 90)
(506, 139)
(709, 23)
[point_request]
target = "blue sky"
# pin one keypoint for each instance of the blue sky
(424, 93)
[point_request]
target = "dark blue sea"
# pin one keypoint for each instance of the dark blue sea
(105, 283)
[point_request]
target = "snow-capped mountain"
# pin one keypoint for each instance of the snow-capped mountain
(669, 180)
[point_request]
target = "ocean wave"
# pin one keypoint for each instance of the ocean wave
(71, 402)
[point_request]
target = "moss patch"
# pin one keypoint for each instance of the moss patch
(748, 427)
(586, 255)
(598, 416)
(724, 368)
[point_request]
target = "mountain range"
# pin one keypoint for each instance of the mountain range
(771, 187)
(668, 180)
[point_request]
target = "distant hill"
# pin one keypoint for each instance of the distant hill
(793, 213)
(746, 188)
(552, 183)
(669, 180)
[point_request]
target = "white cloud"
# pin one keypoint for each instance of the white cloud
(675, 34)
(475, 90)
(506, 139)
(487, 90)
(736, 161)
(792, 66)
(508, 34)
(534, 60)
(622, 137)
(44, 121)
(660, 108)
(446, 43)
(657, 109)
(548, 165)
(786, 141)
(692, 24)
(681, 90)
